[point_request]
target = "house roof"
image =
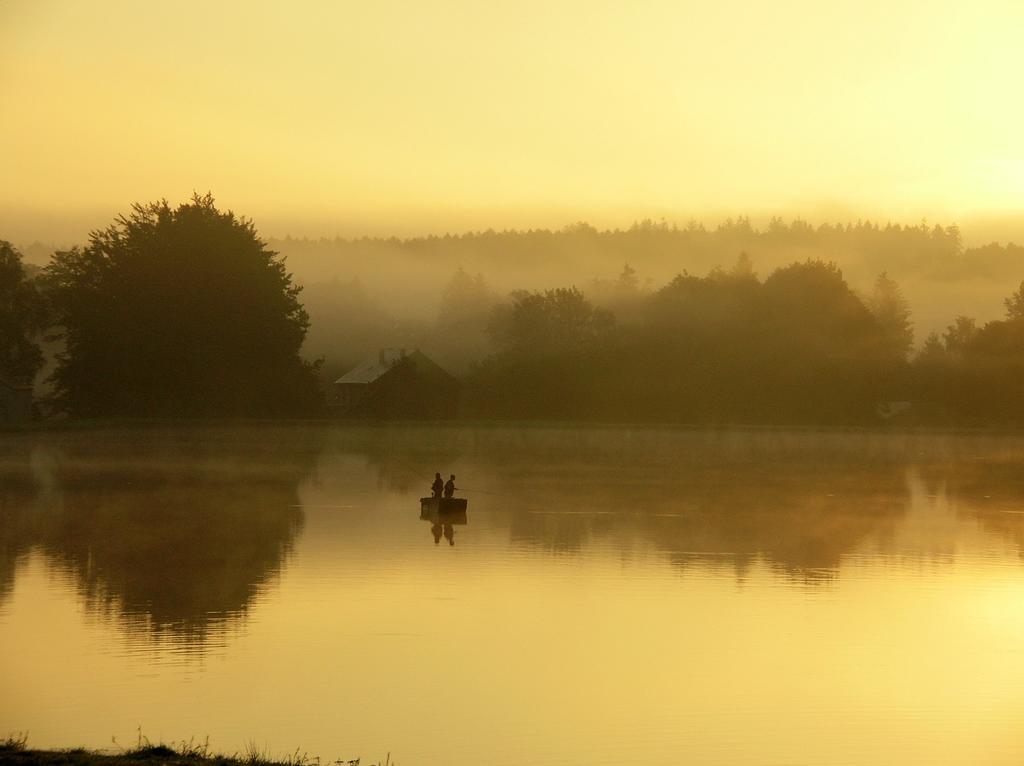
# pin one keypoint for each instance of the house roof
(373, 368)
(366, 371)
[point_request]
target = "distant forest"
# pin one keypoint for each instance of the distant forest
(790, 323)
(365, 293)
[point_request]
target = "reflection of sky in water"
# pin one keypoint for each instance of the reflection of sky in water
(615, 595)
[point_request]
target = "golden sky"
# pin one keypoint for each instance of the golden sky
(323, 117)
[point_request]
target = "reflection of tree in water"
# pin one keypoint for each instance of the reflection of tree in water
(796, 501)
(174, 532)
(986, 488)
(800, 518)
(181, 554)
(17, 494)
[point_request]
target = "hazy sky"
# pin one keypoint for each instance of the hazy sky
(325, 117)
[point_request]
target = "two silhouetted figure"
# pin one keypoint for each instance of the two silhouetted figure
(439, 487)
(440, 527)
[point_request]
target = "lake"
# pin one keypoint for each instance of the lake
(612, 595)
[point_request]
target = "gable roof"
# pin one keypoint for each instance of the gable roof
(366, 371)
(375, 367)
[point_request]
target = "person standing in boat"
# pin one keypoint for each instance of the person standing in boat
(437, 486)
(449, 486)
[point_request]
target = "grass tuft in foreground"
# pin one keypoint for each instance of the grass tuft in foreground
(14, 750)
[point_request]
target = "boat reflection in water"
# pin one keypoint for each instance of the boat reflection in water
(443, 513)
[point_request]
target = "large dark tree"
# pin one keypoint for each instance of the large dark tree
(22, 317)
(551, 324)
(825, 357)
(991, 380)
(179, 312)
(799, 347)
(547, 348)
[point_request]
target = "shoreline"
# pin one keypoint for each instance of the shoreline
(14, 750)
(64, 425)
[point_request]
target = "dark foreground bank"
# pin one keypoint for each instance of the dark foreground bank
(14, 751)
(148, 757)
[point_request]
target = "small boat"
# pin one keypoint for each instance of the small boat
(447, 517)
(430, 505)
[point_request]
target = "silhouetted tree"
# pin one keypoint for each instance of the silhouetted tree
(623, 296)
(179, 312)
(460, 331)
(893, 314)
(560, 321)
(727, 348)
(986, 379)
(692, 356)
(465, 300)
(22, 318)
(824, 353)
(976, 374)
(1015, 304)
(628, 284)
(548, 346)
(959, 334)
(744, 266)
(932, 347)
(990, 383)
(931, 374)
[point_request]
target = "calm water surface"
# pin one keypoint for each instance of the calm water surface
(613, 596)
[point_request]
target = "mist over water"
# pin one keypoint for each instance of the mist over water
(615, 595)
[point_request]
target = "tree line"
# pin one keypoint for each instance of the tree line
(797, 347)
(366, 292)
(863, 247)
(185, 312)
(927, 259)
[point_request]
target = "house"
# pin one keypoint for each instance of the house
(396, 383)
(15, 403)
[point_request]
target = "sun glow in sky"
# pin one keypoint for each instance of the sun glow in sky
(325, 117)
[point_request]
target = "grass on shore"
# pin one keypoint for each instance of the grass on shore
(14, 750)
